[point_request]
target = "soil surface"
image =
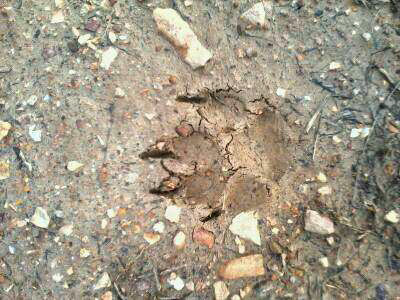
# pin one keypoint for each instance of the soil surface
(126, 182)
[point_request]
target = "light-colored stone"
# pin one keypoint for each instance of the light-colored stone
(245, 225)
(324, 262)
(325, 190)
(336, 139)
(112, 212)
(35, 134)
(103, 282)
(4, 170)
(107, 57)
(281, 92)
(221, 290)
(74, 165)
(255, 16)
(151, 237)
(176, 282)
(314, 222)
(32, 100)
(173, 213)
(59, 3)
(84, 253)
(178, 32)
(159, 227)
(392, 217)
(4, 129)
(57, 277)
(112, 37)
(70, 271)
(67, 229)
(179, 240)
(40, 218)
(107, 296)
(335, 66)
(58, 17)
(120, 93)
(246, 266)
(83, 39)
(321, 177)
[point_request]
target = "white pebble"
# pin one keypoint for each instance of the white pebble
(40, 218)
(280, 92)
(392, 217)
(173, 213)
(179, 240)
(366, 36)
(335, 66)
(324, 262)
(176, 282)
(159, 227)
(57, 277)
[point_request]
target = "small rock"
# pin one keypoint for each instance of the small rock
(392, 217)
(151, 237)
(241, 246)
(203, 237)
(67, 229)
(324, 262)
(336, 139)
(92, 25)
(74, 165)
(281, 92)
(190, 286)
(70, 271)
(4, 129)
(235, 297)
(314, 222)
(335, 66)
(112, 212)
(32, 100)
(107, 296)
(321, 177)
(173, 213)
(245, 225)
(112, 37)
(40, 218)
(176, 282)
(221, 291)
(59, 3)
(325, 190)
(179, 240)
(49, 52)
(246, 266)
(4, 170)
(131, 177)
(255, 16)
(120, 93)
(83, 39)
(159, 227)
(84, 253)
(251, 52)
(184, 129)
(178, 32)
(36, 135)
(366, 36)
(103, 282)
(330, 240)
(107, 57)
(57, 277)
(177, 167)
(57, 17)
(365, 132)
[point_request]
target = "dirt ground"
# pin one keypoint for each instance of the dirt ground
(303, 114)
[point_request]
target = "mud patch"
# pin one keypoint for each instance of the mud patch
(233, 158)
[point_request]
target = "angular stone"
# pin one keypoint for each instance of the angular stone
(4, 129)
(203, 237)
(314, 222)
(107, 57)
(179, 240)
(245, 225)
(40, 218)
(221, 291)
(246, 266)
(173, 213)
(103, 282)
(181, 36)
(255, 16)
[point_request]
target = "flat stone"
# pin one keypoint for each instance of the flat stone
(177, 167)
(392, 217)
(321, 177)
(120, 93)
(35, 134)
(255, 16)
(325, 190)
(74, 165)
(335, 66)
(173, 213)
(245, 225)
(159, 227)
(107, 57)
(246, 266)
(40, 218)
(176, 282)
(180, 35)
(179, 240)
(83, 39)
(4, 129)
(314, 222)
(103, 282)
(221, 290)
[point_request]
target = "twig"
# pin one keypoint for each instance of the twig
(156, 278)
(314, 117)
(119, 292)
(316, 137)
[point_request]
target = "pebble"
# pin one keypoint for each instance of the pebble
(176, 282)
(92, 25)
(107, 57)
(251, 52)
(32, 100)
(330, 240)
(235, 297)
(83, 39)
(57, 17)
(221, 290)
(74, 165)
(84, 253)
(36, 135)
(336, 139)
(112, 212)
(159, 227)
(245, 225)
(119, 93)
(70, 271)
(4, 170)
(40, 218)
(103, 282)
(321, 177)
(151, 237)
(203, 237)
(112, 37)
(325, 190)
(178, 32)
(184, 129)
(107, 296)
(173, 213)
(246, 266)
(335, 66)
(57, 277)
(67, 229)
(314, 222)
(4, 129)
(59, 3)
(392, 217)
(255, 16)
(366, 36)
(179, 240)
(324, 262)
(240, 244)
(281, 92)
